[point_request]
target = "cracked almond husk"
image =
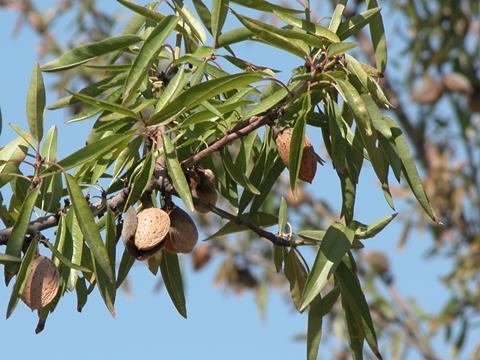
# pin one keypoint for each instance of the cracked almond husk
(42, 283)
(308, 165)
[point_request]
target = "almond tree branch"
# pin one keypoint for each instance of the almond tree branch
(161, 182)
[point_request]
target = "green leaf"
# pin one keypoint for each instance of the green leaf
(64, 260)
(314, 235)
(16, 240)
(353, 25)
(174, 86)
(258, 218)
(314, 328)
(233, 36)
(104, 105)
(90, 152)
(366, 232)
(308, 26)
(9, 259)
(22, 276)
(237, 173)
(88, 227)
(336, 18)
(201, 92)
(339, 48)
(297, 142)
(141, 181)
(409, 169)
(11, 155)
(274, 36)
(282, 215)
(82, 293)
(176, 173)
(368, 83)
(278, 257)
(266, 6)
(352, 292)
(147, 55)
(377, 33)
(172, 277)
(191, 20)
(126, 264)
(90, 51)
(336, 243)
(219, 14)
(356, 103)
(204, 14)
(296, 275)
(36, 103)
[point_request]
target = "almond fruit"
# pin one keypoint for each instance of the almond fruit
(153, 225)
(183, 234)
(42, 283)
(308, 165)
(203, 188)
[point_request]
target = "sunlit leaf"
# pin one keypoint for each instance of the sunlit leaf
(22, 276)
(147, 55)
(17, 237)
(90, 51)
(176, 173)
(335, 244)
(88, 227)
(36, 103)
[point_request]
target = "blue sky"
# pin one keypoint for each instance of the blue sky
(219, 324)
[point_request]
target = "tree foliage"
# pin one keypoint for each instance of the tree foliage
(177, 110)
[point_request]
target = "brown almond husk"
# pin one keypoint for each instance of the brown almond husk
(308, 165)
(203, 188)
(427, 91)
(152, 228)
(42, 283)
(457, 82)
(201, 256)
(183, 233)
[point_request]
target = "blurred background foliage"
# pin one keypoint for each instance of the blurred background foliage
(433, 81)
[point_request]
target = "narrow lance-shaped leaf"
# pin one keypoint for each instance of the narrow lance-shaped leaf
(282, 215)
(89, 153)
(377, 33)
(297, 276)
(22, 276)
(308, 26)
(201, 92)
(141, 181)
(175, 172)
(104, 105)
(356, 103)
(15, 242)
(88, 227)
(409, 169)
(314, 328)
(335, 244)
(36, 103)
(218, 16)
(352, 292)
(297, 142)
(147, 55)
(353, 25)
(9, 259)
(172, 277)
(88, 52)
(204, 14)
